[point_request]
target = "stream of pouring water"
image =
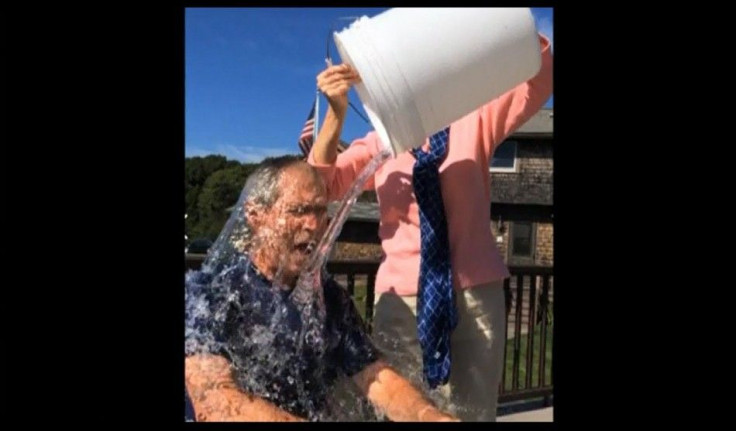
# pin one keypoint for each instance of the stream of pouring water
(309, 281)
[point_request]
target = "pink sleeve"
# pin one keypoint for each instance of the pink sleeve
(502, 116)
(340, 175)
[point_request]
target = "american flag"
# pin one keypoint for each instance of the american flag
(306, 138)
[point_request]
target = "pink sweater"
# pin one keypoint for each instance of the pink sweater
(466, 189)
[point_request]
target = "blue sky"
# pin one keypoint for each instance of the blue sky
(250, 76)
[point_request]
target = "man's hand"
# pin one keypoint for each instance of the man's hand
(431, 414)
(334, 82)
(396, 396)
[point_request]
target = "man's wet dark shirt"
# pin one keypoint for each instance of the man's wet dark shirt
(280, 351)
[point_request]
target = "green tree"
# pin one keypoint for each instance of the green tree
(219, 192)
(197, 169)
(196, 172)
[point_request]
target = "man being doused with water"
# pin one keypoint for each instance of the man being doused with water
(254, 352)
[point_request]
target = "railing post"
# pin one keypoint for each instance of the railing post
(530, 331)
(370, 291)
(543, 305)
(517, 331)
(508, 298)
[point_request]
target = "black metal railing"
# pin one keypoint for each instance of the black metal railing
(354, 268)
(528, 347)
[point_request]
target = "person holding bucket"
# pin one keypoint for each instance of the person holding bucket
(466, 366)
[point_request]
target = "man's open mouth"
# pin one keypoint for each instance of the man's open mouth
(305, 247)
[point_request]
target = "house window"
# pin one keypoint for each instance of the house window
(504, 157)
(522, 243)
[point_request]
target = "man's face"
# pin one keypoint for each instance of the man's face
(288, 231)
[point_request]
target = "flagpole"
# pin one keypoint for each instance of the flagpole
(316, 117)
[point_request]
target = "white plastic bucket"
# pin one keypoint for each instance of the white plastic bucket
(423, 69)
